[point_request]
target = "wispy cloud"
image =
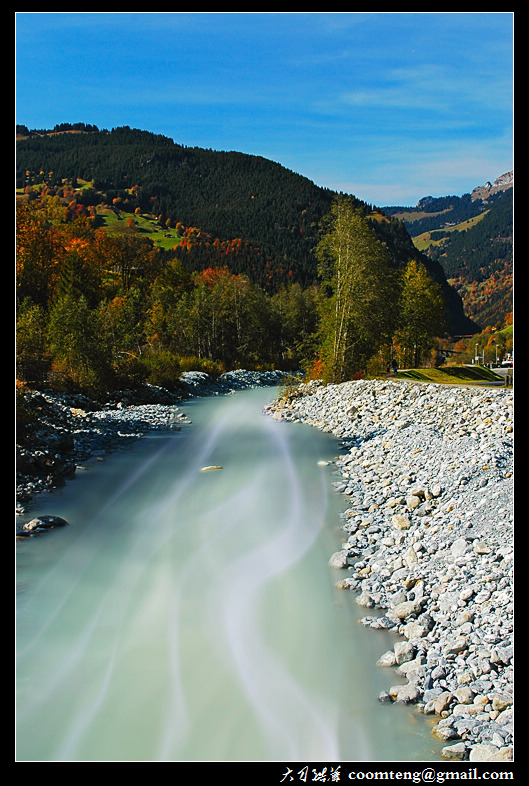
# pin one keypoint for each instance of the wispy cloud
(433, 89)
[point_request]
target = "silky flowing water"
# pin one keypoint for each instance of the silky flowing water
(192, 616)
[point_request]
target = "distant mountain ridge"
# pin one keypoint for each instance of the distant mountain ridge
(227, 195)
(472, 238)
(433, 213)
(502, 183)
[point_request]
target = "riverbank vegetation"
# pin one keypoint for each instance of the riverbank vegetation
(102, 308)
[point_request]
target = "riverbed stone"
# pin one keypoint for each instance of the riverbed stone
(444, 733)
(414, 630)
(365, 600)
(464, 694)
(400, 521)
(45, 522)
(486, 752)
(406, 609)
(405, 694)
(501, 702)
(387, 659)
(456, 752)
(437, 461)
(458, 547)
(442, 702)
(456, 645)
(338, 559)
(404, 651)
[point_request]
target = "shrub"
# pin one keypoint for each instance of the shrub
(213, 367)
(162, 368)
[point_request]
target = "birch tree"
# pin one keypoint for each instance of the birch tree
(359, 284)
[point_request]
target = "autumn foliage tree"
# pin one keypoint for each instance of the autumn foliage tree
(67, 272)
(99, 309)
(39, 251)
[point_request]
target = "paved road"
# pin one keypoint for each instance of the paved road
(504, 372)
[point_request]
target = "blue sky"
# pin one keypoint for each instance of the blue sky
(390, 107)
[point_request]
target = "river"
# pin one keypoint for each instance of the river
(189, 615)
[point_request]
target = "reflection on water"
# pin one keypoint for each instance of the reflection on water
(191, 616)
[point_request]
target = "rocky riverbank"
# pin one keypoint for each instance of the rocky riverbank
(426, 476)
(65, 430)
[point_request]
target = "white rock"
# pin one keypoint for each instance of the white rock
(338, 559)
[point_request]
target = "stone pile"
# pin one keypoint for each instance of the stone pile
(426, 476)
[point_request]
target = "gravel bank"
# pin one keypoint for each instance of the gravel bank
(426, 474)
(70, 429)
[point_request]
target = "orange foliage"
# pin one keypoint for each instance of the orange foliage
(316, 371)
(211, 275)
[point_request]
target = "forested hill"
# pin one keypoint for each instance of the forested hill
(274, 213)
(227, 195)
(472, 238)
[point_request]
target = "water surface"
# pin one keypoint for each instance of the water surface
(191, 616)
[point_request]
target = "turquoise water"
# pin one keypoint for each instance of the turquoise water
(191, 616)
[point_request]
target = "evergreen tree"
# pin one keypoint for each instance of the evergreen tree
(422, 314)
